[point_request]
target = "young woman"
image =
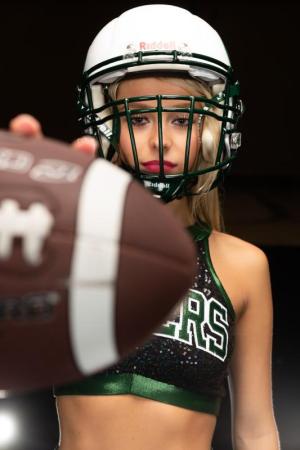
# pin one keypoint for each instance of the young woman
(159, 95)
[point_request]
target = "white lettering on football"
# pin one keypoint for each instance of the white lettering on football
(15, 160)
(55, 171)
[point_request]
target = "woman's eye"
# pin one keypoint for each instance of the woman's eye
(139, 121)
(181, 121)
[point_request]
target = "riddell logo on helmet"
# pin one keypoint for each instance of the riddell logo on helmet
(157, 45)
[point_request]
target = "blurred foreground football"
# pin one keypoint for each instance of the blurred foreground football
(90, 263)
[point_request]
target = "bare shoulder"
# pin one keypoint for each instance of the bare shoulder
(241, 253)
(242, 267)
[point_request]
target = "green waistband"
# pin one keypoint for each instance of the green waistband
(143, 387)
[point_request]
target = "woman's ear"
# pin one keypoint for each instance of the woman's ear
(207, 143)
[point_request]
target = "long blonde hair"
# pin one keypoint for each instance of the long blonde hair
(205, 206)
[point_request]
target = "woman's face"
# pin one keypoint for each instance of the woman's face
(145, 127)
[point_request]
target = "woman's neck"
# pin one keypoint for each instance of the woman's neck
(181, 210)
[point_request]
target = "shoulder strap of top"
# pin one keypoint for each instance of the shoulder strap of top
(199, 231)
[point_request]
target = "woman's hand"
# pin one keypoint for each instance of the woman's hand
(27, 125)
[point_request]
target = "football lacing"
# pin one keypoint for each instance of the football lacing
(33, 225)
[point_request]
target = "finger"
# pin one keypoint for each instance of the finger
(86, 144)
(26, 125)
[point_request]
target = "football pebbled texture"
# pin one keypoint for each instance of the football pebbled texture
(90, 263)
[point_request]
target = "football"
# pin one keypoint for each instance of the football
(90, 263)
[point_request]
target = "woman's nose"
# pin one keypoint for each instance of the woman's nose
(161, 136)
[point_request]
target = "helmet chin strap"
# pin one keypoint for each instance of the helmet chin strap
(166, 189)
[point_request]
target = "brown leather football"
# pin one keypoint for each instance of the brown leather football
(90, 263)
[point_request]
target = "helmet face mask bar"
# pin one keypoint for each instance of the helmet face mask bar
(101, 116)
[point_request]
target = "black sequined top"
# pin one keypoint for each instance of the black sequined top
(186, 362)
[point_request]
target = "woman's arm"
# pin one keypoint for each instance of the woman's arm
(253, 423)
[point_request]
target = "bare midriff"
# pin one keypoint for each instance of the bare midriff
(126, 422)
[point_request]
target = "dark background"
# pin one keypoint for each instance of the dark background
(43, 48)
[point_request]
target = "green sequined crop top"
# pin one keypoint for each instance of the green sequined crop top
(185, 363)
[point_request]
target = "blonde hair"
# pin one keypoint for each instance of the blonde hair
(205, 205)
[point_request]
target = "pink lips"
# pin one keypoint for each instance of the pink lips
(154, 167)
